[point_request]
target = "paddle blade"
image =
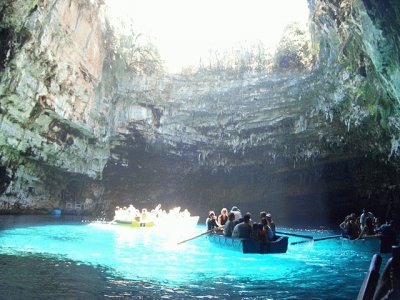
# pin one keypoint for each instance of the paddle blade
(301, 242)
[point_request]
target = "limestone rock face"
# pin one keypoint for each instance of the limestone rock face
(324, 140)
(49, 110)
(319, 143)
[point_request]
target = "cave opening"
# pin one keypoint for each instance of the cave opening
(189, 36)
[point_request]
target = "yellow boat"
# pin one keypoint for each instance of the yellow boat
(136, 223)
(131, 216)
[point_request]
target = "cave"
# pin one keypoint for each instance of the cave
(92, 118)
(314, 137)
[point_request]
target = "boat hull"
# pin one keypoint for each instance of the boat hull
(163, 222)
(135, 223)
(280, 245)
(373, 244)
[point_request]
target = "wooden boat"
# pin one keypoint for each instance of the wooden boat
(373, 244)
(279, 245)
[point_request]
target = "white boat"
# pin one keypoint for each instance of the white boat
(157, 217)
(177, 221)
(175, 218)
(132, 217)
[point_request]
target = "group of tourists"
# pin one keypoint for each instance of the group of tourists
(367, 225)
(234, 224)
(130, 213)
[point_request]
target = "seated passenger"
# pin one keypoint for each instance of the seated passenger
(344, 225)
(350, 227)
(137, 215)
(144, 214)
(243, 230)
(377, 223)
(368, 228)
(229, 225)
(267, 231)
(263, 215)
(212, 221)
(223, 217)
(271, 225)
(388, 236)
(256, 231)
(237, 212)
(363, 218)
(262, 235)
(387, 229)
(238, 221)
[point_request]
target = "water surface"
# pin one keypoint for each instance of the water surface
(58, 258)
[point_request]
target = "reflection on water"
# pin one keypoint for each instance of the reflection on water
(70, 259)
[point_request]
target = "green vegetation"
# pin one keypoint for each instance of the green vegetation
(140, 56)
(13, 16)
(293, 53)
(242, 59)
(294, 50)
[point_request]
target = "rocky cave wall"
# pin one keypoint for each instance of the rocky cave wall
(51, 129)
(323, 140)
(312, 144)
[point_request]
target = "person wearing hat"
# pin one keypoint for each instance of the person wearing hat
(236, 211)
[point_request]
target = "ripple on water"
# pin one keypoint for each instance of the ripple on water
(94, 261)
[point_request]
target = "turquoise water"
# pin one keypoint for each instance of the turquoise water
(147, 263)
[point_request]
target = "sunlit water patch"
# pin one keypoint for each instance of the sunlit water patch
(149, 262)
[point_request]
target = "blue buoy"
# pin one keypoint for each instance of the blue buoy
(56, 212)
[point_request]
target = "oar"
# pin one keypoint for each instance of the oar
(195, 237)
(328, 237)
(316, 240)
(297, 235)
